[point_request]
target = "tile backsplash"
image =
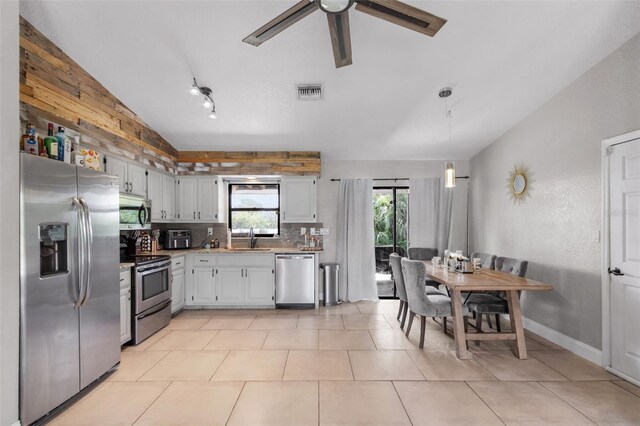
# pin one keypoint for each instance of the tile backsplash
(289, 234)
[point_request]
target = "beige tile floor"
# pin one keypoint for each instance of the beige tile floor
(344, 365)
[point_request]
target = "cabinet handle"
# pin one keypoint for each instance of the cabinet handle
(198, 215)
(129, 295)
(194, 215)
(178, 263)
(213, 272)
(121, 279)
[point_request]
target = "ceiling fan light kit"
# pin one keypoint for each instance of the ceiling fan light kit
(337, 12)
(206, 92)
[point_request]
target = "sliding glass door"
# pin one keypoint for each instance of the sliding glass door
(391, 232)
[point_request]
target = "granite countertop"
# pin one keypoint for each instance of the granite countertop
(126, 265)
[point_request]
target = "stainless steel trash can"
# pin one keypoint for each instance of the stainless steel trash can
(330, 283)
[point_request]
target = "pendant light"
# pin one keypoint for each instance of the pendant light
(449, 166)
(207, 102)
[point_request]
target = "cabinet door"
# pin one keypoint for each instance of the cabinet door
(298, 199)
(187, 188)
(229, 286)
(177, 291)
(137, 180)
(156, 193)
(259, 286)
(207, 199)
(169, 197)
(116, 167)
(203, 287)
(125, 315)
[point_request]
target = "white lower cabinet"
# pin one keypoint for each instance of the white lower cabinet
(177, 283)
(125, 306)
(231, 280)
(229, 288)
(259, 286)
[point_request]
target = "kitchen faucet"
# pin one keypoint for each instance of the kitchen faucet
(252, 236)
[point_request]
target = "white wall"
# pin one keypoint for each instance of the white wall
(328, 192)
(9, 280)
(556, 229)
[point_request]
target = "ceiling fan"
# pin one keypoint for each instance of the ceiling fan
(337, 12)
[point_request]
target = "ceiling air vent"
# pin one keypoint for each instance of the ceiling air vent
(310, 92)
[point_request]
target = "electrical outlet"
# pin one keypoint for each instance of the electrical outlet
(209, 231)
(303, 230)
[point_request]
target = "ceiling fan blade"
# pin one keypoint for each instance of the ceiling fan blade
(402, 14)
(340, 38)
(281, 22)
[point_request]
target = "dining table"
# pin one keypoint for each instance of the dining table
(485, 280)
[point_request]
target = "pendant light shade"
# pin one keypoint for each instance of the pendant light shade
(449, 175)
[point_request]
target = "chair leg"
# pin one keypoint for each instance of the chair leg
(444, 324)
(400, 308)
(478, 326)
(489, 321)
(466, 328)
(423, 325)
(404, 315)
(411, 314)
(498, 325)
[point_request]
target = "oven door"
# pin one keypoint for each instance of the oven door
(152, 285)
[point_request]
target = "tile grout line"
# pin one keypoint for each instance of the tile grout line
(153, 402)
(567, 402)
(401, 401)
(617, 385)
(318, 402)
(218, 367)
(484, 402)
(284, 369)
(149, 369)
(353, 376)
(236, 402)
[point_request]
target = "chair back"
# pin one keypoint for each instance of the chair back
(414, 275)
(488, 261)
(396, 270)
(514, 266)
(422, 253)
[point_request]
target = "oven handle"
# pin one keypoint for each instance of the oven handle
(156, 267)
(162, 306)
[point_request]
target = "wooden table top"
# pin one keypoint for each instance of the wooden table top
(485, 279)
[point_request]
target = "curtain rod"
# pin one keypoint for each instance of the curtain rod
(397, 179)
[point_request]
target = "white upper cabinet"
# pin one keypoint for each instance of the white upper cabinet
(161, 192)
(198, 199)
(208, 199)
(132, 178)
(298, 199)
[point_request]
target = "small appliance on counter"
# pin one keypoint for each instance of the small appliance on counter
(173, 239)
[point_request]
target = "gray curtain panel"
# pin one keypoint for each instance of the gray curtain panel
(429, 213)
(355, 241)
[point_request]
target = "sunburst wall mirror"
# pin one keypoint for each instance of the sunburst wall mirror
(519, 183)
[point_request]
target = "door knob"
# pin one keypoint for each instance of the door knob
(615, 271)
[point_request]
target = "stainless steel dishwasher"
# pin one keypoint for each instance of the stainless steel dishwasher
(295, 281)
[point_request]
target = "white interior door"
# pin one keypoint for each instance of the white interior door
(624, 193)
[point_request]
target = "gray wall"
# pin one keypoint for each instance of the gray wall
(328, 192)
(9, 281)
(557, 229)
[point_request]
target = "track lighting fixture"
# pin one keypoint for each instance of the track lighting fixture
(208, 102)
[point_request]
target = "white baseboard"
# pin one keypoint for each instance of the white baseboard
(577, 347)
(16, 423)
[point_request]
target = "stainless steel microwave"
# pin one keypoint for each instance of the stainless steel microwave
(135, 213)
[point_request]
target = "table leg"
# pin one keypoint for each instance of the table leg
(515, 316)
(458, 325)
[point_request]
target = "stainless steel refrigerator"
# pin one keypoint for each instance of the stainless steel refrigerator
(69, 281)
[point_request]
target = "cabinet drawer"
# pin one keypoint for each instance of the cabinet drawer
(246, 260)
(177, 263)
(125, 278)
(203, 260)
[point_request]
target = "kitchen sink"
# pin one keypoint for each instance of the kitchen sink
(250, 249)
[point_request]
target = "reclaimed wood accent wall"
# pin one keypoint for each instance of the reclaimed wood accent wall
(55, 88)
(249, 163)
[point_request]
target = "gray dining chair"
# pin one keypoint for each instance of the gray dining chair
(420, 303)
(398, 278)
(487, 261)
(494, 303)
(424, 253)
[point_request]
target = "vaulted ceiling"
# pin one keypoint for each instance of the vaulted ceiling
(503, 60)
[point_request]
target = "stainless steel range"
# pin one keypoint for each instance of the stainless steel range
(151, 301)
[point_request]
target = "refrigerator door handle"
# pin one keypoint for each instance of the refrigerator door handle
(89, 239)
(81, 252)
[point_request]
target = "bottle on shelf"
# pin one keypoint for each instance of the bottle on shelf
(31, 144)
(51, 143)
(60, 137)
